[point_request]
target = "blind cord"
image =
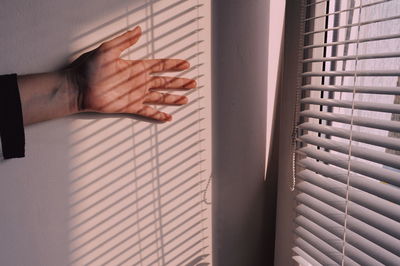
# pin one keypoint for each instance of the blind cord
(351, 137)
(296, 111)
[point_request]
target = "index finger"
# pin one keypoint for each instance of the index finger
(164, 65)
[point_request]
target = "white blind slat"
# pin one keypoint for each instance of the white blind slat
(338, 216)
(376, 220)
(367, 200)
(355, 227)
(314, 252)
(390, 193)
(370, 106)
(352, 57)
(350, 73)
(381, 141)
(357, 89)
(347, 10)
(334, 238)
(306, 256)
(362, 23)
(322, 243)
(363, 168)
(357, 120)
(316, 3)
(364, 153)
(361, 40)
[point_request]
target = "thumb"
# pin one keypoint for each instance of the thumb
(125, 40)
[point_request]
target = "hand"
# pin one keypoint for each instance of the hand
(106, 83)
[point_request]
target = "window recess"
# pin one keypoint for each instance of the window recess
(346, 176)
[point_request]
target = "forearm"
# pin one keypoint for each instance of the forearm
(46, 96)
(101, 81)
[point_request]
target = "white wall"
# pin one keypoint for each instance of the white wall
(276, 16)
(240, 30)
(96, 188)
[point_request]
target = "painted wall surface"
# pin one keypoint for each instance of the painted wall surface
(240, 30)
(99, 189)
(276, 17)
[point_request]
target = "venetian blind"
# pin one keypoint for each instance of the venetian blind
(347, 155)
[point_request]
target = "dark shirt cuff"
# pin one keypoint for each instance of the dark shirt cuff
(11, 119)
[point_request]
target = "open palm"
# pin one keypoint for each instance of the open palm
(109, 84)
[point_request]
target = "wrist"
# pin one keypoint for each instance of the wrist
(47, 96)
(71, 88)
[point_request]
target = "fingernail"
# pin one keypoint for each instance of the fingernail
(192, 84)
(184, 100)
(137, 29)
(185, 65)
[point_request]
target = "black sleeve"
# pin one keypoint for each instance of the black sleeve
(11, 120)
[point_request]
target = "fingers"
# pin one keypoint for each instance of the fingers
(124, 41)
(150, 112)
(171, 83)
(155, 97)
(163, 65)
